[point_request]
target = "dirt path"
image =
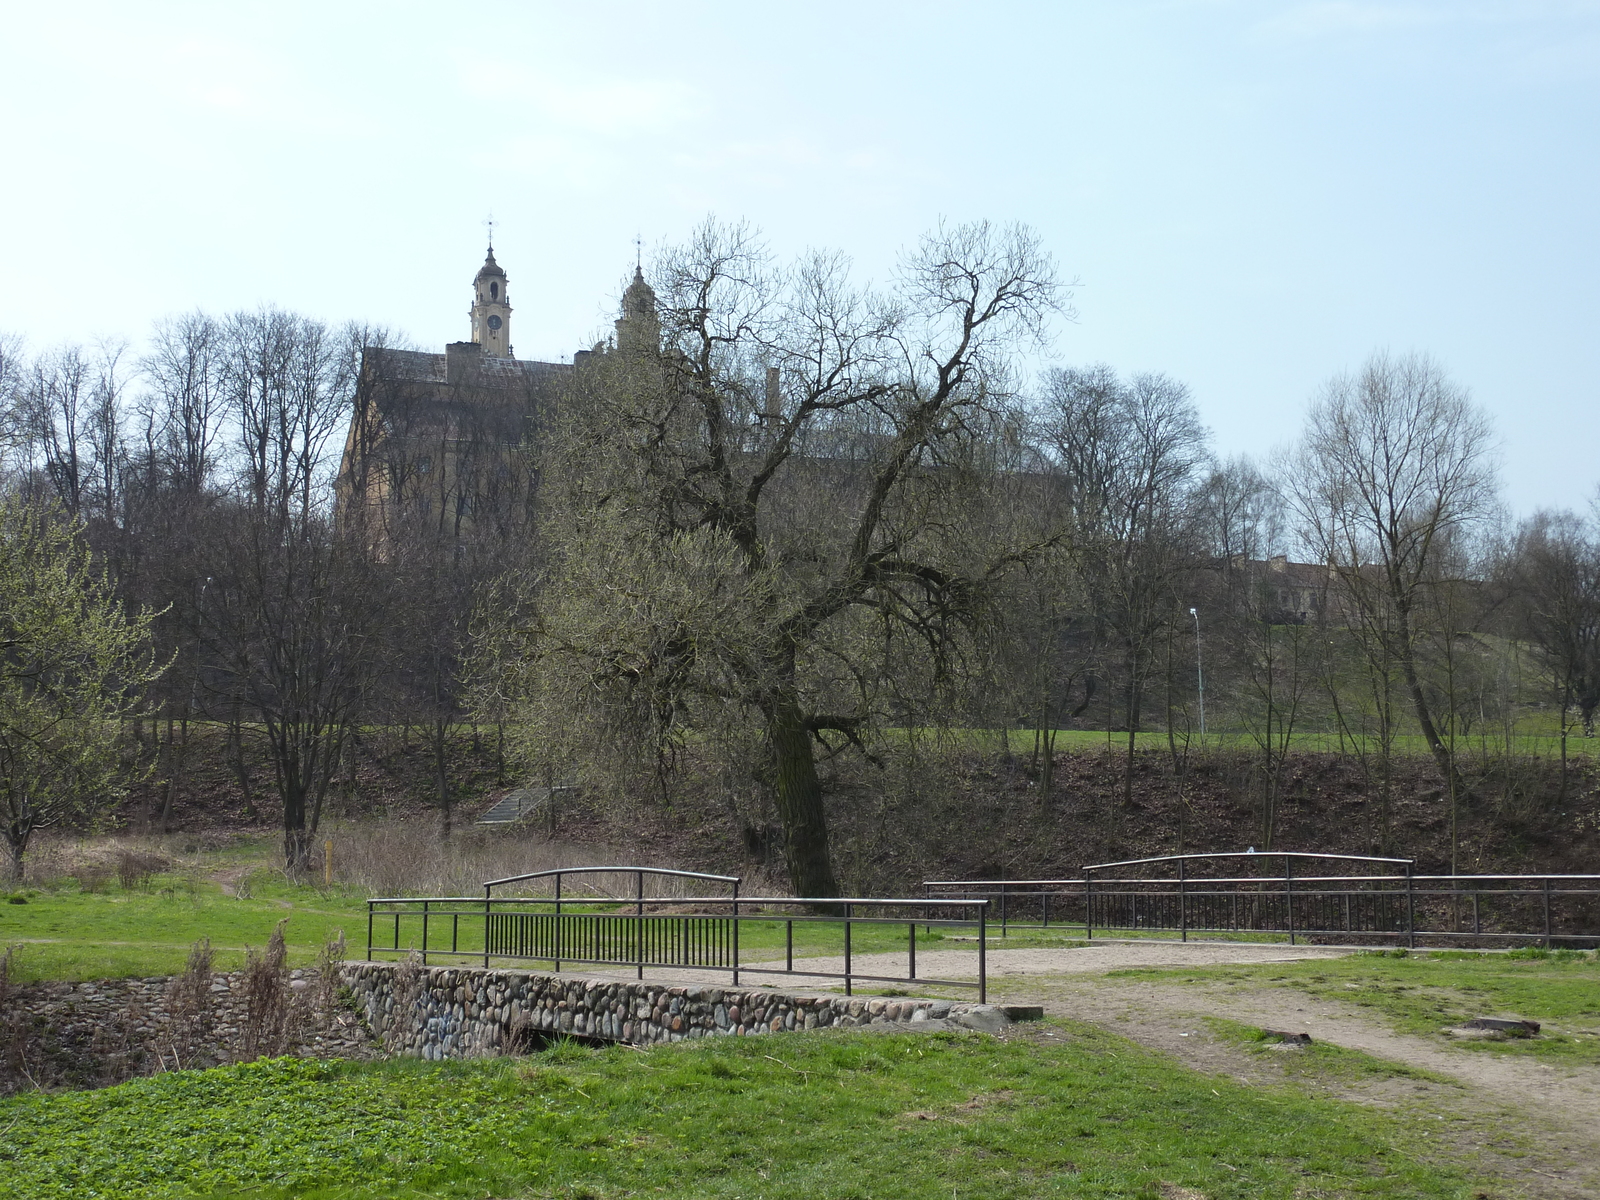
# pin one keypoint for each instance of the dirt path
(1536, 1124)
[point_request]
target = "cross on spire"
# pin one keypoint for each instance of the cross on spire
(488, 223)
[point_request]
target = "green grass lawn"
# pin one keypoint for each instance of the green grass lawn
(71, 934)
(830, 1117)
(1422, 994)
(1535, 738)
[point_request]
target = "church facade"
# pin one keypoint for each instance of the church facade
(436, 441)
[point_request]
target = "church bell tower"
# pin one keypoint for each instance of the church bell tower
(491, 309)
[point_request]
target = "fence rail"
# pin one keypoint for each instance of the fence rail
(1287, 893)
(593, 926)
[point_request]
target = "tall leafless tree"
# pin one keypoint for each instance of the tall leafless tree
(1128, 457)
(1552, 576)
(1395, 461)
(725, 547)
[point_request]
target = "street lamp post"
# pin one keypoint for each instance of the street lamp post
(1199, 670)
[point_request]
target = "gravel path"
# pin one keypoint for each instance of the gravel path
(1008, 964)
(1091, 959)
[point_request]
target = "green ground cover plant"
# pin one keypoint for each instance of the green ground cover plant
(1423, 994)
(1073, 1112)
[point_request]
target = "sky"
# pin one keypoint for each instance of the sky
(1251, 196)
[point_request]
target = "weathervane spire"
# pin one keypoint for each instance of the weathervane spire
(488, 223)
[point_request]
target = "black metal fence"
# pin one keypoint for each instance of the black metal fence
(596, 927)
(1295, 894)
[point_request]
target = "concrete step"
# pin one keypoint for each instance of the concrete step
(522, 802)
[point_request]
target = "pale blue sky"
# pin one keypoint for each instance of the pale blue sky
(1254, 194)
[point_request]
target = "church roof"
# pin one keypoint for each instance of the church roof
(419, 366)
(490, 267)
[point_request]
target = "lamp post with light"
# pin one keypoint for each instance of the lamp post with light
(1199, 670)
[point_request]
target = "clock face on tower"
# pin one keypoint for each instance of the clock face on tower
(494, 324)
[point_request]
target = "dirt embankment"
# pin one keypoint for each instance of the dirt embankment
(950, 815)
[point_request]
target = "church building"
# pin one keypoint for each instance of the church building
(433, 447)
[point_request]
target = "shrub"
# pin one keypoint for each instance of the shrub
(135, 869)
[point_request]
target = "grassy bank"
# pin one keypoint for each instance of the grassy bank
(1075, 1112)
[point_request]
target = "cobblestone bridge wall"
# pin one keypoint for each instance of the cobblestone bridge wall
(466, 1012)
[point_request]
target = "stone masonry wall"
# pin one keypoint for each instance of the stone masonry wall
(468, 1012)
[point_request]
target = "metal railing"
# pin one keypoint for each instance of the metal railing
(594, 928)
(1289, 893)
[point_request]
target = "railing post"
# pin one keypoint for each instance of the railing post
(1004, 928)
(848, 909)
(1045, 901)
(1183, 900)
(558, 924)
(736, 937)
(369, 930)
(1411, 910)
(638, 923)
(983, 952)
(424, 933)
(1547, 912)
(1288, 893)
(911, 928)
(788, 944)
(1088, 908)
(486, 890)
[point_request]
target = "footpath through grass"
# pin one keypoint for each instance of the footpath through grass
(831, 1117)
(1423, 994)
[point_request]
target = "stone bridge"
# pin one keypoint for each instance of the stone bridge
(471, 1012)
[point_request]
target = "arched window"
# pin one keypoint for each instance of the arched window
(494, 291)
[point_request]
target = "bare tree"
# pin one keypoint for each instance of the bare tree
(1126, 458)
(56, 406)
(183, 410)
(291, 607)
(1553, 578)
(734, 550)
(293, 621)
(288, 382)
(1270, 636)
(1395, 461)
